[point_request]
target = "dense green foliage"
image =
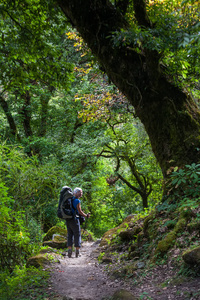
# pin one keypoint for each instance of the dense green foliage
(14, 238)
(173, 32)
(64, 123)
(25, 284)
(127, 146)
(184, 186)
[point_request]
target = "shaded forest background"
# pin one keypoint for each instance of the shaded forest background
(63, 122)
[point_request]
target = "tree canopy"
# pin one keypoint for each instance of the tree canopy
(134, 43)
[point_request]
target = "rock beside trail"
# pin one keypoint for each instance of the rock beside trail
(107, 260)
(55, 230)
(37, 261)
(123, 295)
(129, 233)
(192, 257)
(56, 244)
(56, 237)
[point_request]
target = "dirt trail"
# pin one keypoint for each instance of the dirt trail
(81, 278)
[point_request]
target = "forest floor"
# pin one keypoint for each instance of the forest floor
(83, 278)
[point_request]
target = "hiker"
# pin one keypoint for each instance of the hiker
(73, 225)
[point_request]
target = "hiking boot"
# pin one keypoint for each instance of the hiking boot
(69, 253)
(77, 252)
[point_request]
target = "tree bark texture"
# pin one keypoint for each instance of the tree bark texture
(170, 116)
(10, 119)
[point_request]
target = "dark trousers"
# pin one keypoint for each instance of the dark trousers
(73, 232)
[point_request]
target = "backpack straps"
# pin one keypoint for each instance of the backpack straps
(73, 204)
(76, 211)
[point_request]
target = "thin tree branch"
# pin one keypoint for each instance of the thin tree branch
(129, 184)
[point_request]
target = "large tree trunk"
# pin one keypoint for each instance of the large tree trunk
(169, 115)
(10, 119)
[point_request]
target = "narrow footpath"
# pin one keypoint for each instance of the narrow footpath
(81, 278)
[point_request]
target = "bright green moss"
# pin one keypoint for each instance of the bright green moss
(37, 261)
(180, 225)
(54, 230)
(165, 244)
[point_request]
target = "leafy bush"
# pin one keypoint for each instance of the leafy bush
(183, 189)
(14, 239)
(187, 181)
(24, 284)
(32, 185)
(28, 200)
(34, 228)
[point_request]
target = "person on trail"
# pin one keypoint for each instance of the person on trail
(73, 225)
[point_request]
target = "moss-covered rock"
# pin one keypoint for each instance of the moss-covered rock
(126, 229)
(149, 238)
(126, 235)
(130, 234)
(58, 241)
(123, 295)
(47, 250)
(55, 230)
(56, 244)
(56, 237)
(107, 259)
(166, 243)
(192, 256)
(169, 240)
(180, 225)
(38, 261)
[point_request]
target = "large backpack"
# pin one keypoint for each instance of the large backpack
(65, 204)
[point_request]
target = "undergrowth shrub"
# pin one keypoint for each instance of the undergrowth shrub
(185, 182)
(33, 186)
(24, 284)
(183, 189)
(34, 228)
(14, 239)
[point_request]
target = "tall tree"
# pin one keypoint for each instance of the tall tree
(127, 145)
(35, 60)
(169, 114)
